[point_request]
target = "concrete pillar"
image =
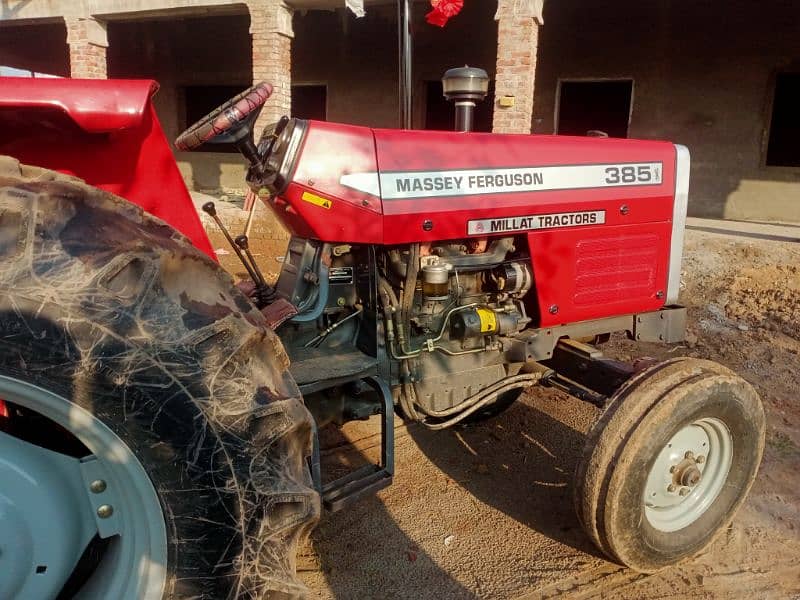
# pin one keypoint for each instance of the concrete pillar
(518, 23)
(271, 36)
(88, 40)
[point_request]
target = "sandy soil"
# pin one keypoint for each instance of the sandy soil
(486, 511)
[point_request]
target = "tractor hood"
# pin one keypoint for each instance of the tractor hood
(390, 186)
(601, 217)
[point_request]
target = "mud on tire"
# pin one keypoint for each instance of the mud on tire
(114, 310)
(637, 425)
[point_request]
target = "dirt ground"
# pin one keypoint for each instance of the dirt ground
(485, 511)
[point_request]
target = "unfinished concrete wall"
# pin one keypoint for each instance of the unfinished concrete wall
(180, 52)
(702, 77)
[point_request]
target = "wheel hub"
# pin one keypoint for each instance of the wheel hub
(688, 474)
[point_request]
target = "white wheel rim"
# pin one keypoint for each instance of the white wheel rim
(134, 564)
(688, 475)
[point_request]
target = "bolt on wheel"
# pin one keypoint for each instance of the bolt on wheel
(57, 504)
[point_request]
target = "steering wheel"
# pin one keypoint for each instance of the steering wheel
(230, 123)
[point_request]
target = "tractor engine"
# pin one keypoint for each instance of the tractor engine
(469, 299)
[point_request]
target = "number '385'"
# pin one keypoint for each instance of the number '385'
(629, 174)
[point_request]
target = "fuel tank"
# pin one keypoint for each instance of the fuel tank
(603, 217)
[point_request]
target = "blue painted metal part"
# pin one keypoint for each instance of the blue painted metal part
(46, 519)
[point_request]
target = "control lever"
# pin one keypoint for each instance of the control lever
(243, 243)
(262, 290)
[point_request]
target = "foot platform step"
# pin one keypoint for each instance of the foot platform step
(344, 491)
(349, 489)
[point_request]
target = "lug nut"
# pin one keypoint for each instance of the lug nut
(105, 510)
(671, 488)
(684, 491)
(98, 486)
(700, 459)
(689, 454)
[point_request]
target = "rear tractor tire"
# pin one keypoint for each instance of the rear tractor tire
(152, 442)
(669, 462)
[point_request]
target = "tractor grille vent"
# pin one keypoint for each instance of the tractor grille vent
(620, 268)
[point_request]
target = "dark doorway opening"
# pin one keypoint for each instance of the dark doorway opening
(440, 114)
(783, 149)
(594, 105)
(310, 102)
(35, 47)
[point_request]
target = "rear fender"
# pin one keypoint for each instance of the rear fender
(107, 133)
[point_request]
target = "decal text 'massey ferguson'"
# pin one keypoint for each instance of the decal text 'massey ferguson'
(466, 182)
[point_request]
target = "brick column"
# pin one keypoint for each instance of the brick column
(88, 40)
(271, 34)
(518, 23)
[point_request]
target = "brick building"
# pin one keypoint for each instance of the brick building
(721, 78)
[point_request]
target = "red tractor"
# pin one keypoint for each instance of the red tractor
(158, 424)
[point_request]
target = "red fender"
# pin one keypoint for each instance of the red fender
(105, 132)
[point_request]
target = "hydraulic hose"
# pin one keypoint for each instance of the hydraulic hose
(390, 304)
(531, 374)
(483, 401)
(408, 398)
(523, 379)
(407, 302)
(408, 394)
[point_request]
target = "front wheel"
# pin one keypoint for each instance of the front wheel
(669, 463)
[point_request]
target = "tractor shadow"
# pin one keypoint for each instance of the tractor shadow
(363, 551)
(521, 462)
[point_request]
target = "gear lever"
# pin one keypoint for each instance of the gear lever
(263, 292)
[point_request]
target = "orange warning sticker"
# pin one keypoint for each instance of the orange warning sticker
(317, 200)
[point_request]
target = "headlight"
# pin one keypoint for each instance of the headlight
(282, 155)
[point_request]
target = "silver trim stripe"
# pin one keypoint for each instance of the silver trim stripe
(363, 182)
(679, 208)
(471, 182)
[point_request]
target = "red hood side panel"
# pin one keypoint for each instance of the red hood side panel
(596, 213)
(466, 155)
(316, 204)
